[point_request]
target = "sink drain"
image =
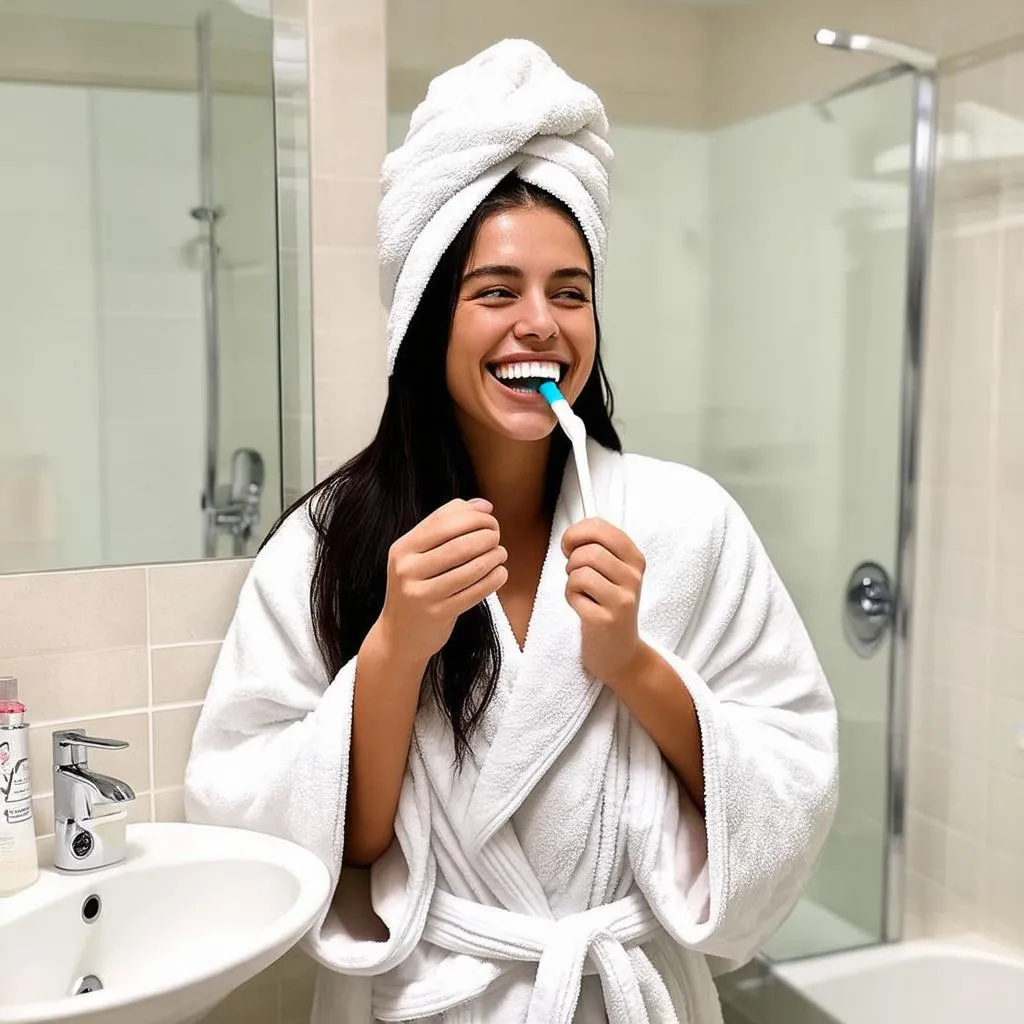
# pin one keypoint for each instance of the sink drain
(88, 983)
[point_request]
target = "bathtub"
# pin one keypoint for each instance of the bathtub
(926, 981)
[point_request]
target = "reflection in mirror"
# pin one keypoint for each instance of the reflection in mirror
(155, 353)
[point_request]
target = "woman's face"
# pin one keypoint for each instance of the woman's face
(525, 307)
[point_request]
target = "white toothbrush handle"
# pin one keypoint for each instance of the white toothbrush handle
(579, 454)
(576, 431)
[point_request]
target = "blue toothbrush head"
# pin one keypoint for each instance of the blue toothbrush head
(549, 389)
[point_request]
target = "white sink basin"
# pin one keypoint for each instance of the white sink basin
(191, 914)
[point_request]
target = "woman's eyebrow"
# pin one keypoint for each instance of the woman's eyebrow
(493, 270)
(567, 272)
(507, 270)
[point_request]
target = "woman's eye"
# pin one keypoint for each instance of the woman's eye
(572, 295)
(497, 292)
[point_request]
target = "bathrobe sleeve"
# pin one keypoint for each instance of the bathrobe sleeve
(723, 883)
(271, 753)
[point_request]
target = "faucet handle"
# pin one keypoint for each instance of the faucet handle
(70, 747)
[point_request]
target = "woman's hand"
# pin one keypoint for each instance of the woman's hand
(606, 570)
(442, 567)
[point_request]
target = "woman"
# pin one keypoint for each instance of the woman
(559, 767)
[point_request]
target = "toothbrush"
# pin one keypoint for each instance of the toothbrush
(577, 434)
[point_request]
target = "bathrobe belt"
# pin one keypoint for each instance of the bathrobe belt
(604, 940)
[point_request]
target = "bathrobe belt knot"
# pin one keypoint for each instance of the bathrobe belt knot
(604, 940)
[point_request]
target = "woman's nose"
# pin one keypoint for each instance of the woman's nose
(536, 320)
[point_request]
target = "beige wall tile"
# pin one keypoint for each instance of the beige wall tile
(1008, 600)
(49, 613)
(348, 414)
(172, 741)
(169, 804)
(182, 673)
(1005, 817)
(131, 765)
(1003, 897)
(963, 867)
(256, 1002)
(42, 814)
(926, 847)
(1008, 663)
(59, 686)
(325, 466)
(356, 153)
(346, 288)
(297, 998)
(348, 207)
(194, 603)
(347, 66)
(1004, 747)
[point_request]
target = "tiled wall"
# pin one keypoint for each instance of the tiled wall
(348, 132)
(966, 826)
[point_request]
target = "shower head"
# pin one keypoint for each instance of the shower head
(908, 56)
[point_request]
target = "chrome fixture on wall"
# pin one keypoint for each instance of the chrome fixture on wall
(237, 510)
(895, 607)
(867, 614)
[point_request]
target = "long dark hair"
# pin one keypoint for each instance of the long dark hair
(416, 463)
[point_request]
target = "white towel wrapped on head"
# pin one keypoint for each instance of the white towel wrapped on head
(510, 108)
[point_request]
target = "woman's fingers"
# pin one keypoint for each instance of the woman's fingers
(456, 519)
(589, 583)
(598, 531)
(479, 591)
(465, 576)
(603, 561)
(458, 551)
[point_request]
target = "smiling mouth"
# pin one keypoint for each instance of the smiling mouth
(526, 378)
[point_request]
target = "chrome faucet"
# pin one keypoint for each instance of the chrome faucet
(236, 509)
(82, 800)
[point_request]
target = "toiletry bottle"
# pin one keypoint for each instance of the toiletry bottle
(19, 863)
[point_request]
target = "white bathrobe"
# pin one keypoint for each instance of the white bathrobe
(564, 875)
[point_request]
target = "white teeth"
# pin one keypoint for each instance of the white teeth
(517, 371)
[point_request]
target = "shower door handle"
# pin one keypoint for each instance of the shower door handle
(868, 608)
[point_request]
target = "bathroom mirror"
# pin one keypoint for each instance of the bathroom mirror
(155, 335)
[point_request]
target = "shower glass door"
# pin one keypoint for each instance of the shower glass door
(754, 322)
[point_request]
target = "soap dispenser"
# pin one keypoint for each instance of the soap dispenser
(19, 861)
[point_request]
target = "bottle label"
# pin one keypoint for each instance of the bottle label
(15, 783)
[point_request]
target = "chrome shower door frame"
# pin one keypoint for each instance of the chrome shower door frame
(921, 189)
(919, 232)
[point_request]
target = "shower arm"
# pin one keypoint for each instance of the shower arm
(901, 53)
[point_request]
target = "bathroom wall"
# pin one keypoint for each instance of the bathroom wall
(647, 60)
(965, 823)
(127, 652)
(761, 55)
